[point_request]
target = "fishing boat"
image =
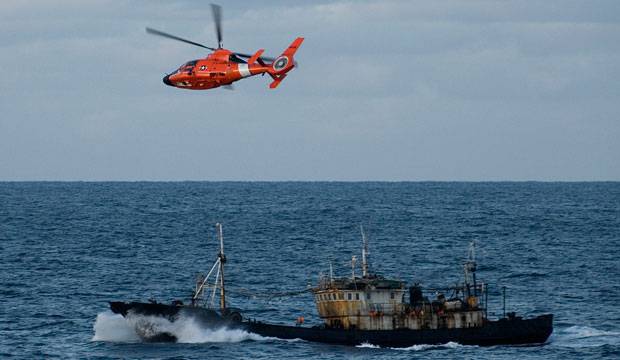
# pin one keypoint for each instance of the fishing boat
(368, 308)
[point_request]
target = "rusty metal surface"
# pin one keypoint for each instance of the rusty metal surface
(385, 310)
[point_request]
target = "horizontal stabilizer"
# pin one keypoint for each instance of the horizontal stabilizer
(254, 57)
(277, 81)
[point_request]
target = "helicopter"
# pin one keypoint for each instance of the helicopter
(222, 67)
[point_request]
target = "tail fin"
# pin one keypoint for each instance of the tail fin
(284, 63)
(255, 57)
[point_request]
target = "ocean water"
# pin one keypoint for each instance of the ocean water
(68, 248)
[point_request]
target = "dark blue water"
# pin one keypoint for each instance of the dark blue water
(68, 248)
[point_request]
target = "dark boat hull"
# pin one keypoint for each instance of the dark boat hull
(513, 331)
(500, 332)
(170, 312)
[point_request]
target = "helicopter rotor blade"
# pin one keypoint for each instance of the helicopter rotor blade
(216, 10)
(173, 37)
(169, 36)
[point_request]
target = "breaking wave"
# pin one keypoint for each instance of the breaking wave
(584, 336)
(115, 328)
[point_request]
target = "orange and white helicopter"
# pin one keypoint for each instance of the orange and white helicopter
(223, 67)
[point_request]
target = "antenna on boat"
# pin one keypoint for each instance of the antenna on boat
(353, 260)
(471, 253)
(222, 259)
(470, 268)
(364, 252)
(331, 273)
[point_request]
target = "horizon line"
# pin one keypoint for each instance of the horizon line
(306, 181)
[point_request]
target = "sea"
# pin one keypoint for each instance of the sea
(70, 247)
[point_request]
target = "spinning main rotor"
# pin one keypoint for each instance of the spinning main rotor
(216, 11)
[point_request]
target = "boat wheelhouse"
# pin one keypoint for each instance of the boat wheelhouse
(373, 302)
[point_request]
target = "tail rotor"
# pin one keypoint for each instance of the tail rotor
(284, 63)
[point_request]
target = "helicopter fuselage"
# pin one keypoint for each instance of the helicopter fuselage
(219, 68)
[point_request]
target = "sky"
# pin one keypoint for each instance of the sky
(385, 90)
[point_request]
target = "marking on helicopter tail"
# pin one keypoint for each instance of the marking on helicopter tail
(244, 70)
(280, 63)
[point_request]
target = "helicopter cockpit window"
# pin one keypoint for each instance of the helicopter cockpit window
(188, 66)
(234, 58)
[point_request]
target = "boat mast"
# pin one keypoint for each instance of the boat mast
(470, 270)
(222, 258)
(204, 280)
(364, 252)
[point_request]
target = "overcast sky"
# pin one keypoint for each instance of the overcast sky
(385, 90)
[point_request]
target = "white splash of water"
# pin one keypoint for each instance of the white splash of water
(115, 328)
(187, 330)
(586, 331)
(449, 345)
(368, 346)
(584, 336)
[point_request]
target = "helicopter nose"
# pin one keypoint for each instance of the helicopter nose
(167, 80)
